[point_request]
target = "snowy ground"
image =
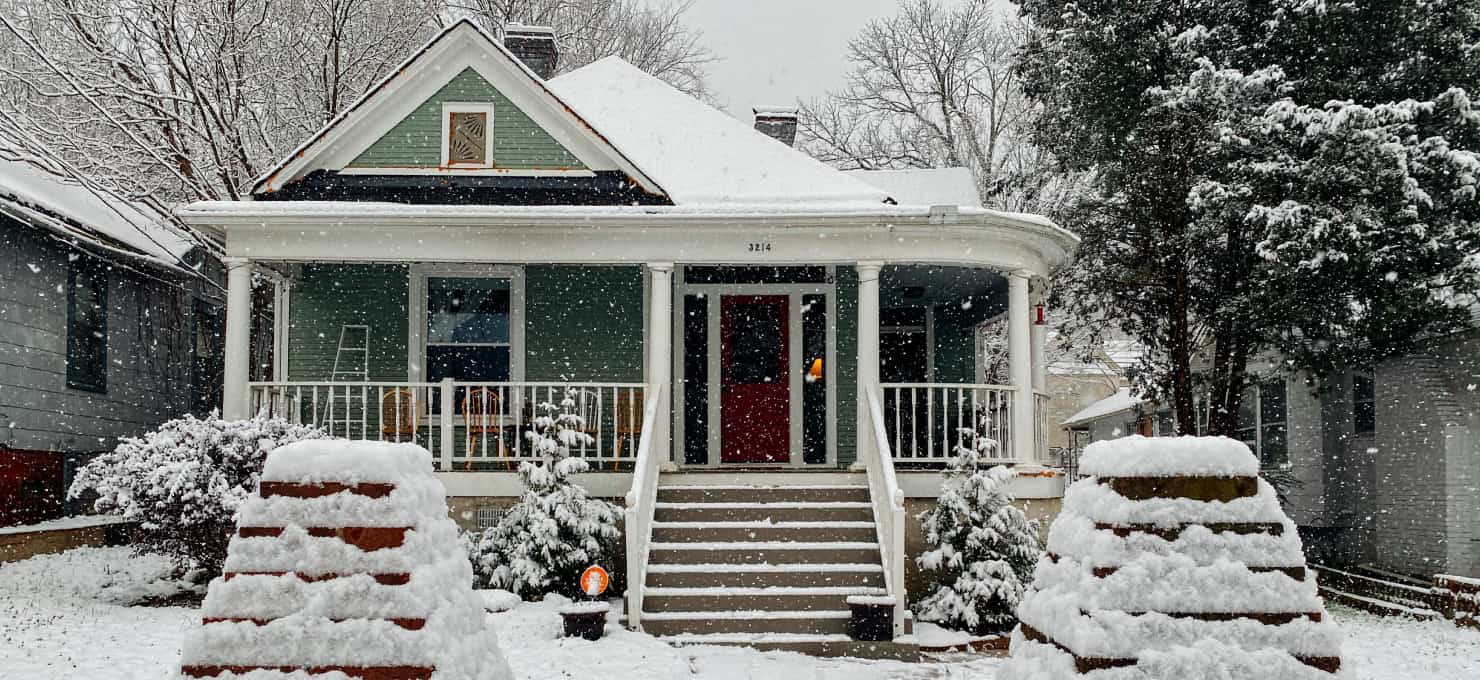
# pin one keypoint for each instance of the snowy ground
(61, 617)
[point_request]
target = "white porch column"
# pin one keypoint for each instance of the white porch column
(659, 369)
(868, 353)
(1019, 343)
(235, 401)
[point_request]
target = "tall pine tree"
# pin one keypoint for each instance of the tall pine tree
(1275, 176)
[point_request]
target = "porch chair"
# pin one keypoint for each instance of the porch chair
(628, 419)
(399, 415)
(481, 417)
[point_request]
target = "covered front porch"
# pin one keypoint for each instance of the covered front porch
(722, 365)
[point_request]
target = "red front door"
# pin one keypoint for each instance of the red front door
(755, 390)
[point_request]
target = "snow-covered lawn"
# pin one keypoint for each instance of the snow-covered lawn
(61, 617)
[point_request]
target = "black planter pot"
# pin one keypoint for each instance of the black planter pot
(584, 624)
(871, 621)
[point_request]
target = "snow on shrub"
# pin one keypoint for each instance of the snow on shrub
(541, 544)
(182, 483)
(981, 547)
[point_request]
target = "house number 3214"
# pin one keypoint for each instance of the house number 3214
(760, 246)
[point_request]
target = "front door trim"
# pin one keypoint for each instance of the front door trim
(795, 291)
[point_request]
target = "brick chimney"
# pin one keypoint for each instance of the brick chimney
(777, 122)
(533, 45)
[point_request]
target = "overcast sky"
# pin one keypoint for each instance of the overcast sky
(779, 51)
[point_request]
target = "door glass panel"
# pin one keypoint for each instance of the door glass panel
(755, 346)
(696, 379)
(814, 379)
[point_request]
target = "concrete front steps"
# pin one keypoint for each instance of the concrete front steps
(765, 561)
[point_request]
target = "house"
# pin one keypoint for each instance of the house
(1382, 465)
(774, 357)
(106, 330)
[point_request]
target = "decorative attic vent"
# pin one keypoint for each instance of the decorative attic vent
(468, 131)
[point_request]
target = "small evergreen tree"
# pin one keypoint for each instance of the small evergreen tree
(541, 544)
(182, 483)
(981, 546)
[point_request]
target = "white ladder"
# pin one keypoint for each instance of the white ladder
(339, 411)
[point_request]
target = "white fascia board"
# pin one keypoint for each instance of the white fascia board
(464, 46)
(618, 236)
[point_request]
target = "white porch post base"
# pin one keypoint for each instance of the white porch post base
(235, 401)
(868, 353)
(1019, 356)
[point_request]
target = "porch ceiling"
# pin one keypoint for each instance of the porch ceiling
(910, 285)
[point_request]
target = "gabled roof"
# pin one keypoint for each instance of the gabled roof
(925, 186)
(461, 46)
(698, 154)
(32, 195)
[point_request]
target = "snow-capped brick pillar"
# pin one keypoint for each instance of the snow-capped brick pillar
(235, 400)
(1020, 365)
(1172, 560)
(345, 561)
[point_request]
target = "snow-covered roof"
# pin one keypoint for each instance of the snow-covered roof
(924, 186)
(1116, 403)
(695, 152)
(31, 194)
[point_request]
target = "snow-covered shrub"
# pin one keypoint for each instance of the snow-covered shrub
(542, 542)
(182, 483)
(981, 547)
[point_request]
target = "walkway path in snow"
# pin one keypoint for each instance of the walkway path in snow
(60, 617)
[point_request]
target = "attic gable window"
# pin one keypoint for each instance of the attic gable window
(467, 135)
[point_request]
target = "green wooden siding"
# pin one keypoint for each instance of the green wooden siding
(327, 296)
(847, 365)
(583, 323)
(416, 141)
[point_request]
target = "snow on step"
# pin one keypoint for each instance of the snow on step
(752, 568)
(304, 594)
(745, 614)
(752, 638)
(1118, 592)
(764, 524)
(790, 505)
(723, 591)
(767, 545)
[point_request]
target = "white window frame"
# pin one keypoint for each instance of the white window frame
(449, 108)
(417, 311)
(1254, 394)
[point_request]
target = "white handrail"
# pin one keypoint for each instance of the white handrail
(640, 501)
(888, 501)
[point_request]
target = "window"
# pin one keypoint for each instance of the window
(1364, 403)
(87, 326)
(1262, 422)
(468, 325)
(468, 135)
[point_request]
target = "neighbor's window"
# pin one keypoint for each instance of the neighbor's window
(1262, 422)
(469, 136)
(1364, 403)
(468, 328)
(87, 326)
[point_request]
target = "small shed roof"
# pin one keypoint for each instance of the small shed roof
(1119, 402)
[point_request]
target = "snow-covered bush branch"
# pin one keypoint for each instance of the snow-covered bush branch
(182, 483)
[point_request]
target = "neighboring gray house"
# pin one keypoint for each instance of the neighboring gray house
(1386, 463)
(105, 331)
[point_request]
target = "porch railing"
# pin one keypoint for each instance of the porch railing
(469, 426)
(888, 501)
(926, 422)
(641, 502)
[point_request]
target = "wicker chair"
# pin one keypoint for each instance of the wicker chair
(399, 415)
(481, 417)
(628, 419)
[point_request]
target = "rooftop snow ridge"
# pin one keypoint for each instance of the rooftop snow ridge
(1138, 456)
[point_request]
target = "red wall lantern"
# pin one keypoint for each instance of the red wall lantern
(1038, 316)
